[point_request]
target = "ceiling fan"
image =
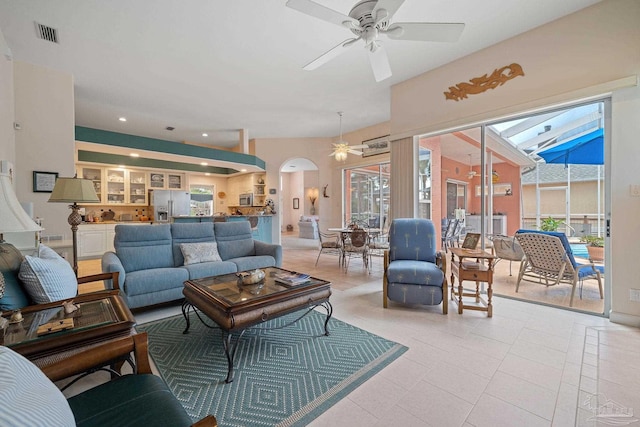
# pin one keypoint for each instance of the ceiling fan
(342, 148)
(471, 172)
(368, 19)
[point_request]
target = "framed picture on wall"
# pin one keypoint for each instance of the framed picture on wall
(376, 146)
(43, 182)
(296, 203)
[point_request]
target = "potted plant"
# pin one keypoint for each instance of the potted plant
(550, 224)
(595, 247)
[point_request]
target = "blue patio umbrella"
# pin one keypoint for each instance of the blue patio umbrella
(585, 150)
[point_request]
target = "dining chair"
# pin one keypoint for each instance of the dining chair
(358, 245)
(331, 244)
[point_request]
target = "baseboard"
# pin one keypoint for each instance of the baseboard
(624, 319)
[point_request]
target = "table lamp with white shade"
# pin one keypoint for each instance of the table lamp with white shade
(13, 219)
(74, 190)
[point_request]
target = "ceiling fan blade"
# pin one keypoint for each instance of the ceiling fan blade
(390, 6)
(316, 10)
(356, 152)
(379, 63)
(359, 146)
(425, 31)
(330, 54)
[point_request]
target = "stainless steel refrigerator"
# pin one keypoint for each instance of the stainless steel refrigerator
(165, 204)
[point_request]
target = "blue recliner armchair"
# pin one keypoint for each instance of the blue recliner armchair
(414, 272)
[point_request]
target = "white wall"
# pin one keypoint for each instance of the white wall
(7, 138)
(589, 53)
(44, 108)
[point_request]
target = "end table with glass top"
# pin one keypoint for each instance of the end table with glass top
(101, 316)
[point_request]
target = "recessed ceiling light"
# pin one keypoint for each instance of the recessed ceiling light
(205, 134)
(207, 174)
(121, 166)
(203, 163)
(243, 170)
(123, 119)
(134, 155)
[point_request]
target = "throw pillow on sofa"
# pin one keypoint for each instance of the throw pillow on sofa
(48, 277)
(195, 253)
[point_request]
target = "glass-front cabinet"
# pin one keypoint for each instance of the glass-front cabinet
(166, 181)
(137, 188)
(115, 186)
(125, 186)
(95, 175)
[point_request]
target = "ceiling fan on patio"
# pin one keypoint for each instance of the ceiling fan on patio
(471, 174)
(369, 19)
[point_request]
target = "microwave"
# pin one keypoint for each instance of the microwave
(246, 199)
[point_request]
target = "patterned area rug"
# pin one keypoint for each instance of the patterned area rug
(282, 377)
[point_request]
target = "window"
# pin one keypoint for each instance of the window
(202, 200)
(424, 183)
(366, 194)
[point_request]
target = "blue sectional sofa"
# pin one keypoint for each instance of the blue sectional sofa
(152, 267)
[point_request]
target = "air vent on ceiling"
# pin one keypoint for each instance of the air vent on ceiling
(47, 33)
(169, 128)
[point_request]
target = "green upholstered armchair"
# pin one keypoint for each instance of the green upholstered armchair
(130, 400)
(414, 272)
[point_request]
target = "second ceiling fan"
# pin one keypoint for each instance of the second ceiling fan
(369, 19)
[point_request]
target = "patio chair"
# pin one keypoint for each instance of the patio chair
(330, 243)
(448, 238)
(508, 248)
(549, 261)
(414, 272)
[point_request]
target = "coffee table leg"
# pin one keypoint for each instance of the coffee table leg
(230, 352)
(327, 306)
(186, 307)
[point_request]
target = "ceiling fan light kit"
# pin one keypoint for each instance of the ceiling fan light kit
(342, 148)
(369, 19)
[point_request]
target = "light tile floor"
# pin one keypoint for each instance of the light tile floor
(528, 365)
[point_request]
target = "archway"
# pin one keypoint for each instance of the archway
(298, 196)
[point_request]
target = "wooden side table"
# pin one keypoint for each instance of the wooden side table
(469, 266)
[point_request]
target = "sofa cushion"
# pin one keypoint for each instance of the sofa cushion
(154, 280)
(234, 239)
(195, 253)
(48, 277)
(206, 269)
(253, 262)
(141, 247)
(189, 233)
(131, 400)
(27, 396)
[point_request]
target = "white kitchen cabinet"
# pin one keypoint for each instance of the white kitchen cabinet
(95, 175)
(91, 241)
(95, 239)
(167, 181)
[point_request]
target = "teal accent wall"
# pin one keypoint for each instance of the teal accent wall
(116, 139)
(118, 159)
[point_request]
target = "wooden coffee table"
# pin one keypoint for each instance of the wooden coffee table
(235, 307)
(102, 316)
